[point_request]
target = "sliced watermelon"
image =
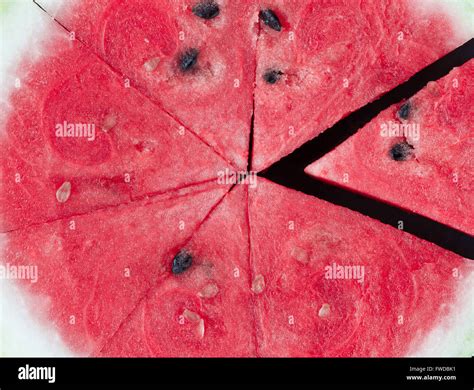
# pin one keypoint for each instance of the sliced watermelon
(417, 154)
(308, 306)
(207, 311)
(121, 152)
(332, 57)
(140, 252)
(94, 269)
(200, 70)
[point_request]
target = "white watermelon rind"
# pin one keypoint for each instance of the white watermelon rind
(21, 333)
(460, 12)
(454, 335)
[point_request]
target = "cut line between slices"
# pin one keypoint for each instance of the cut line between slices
(289, 171)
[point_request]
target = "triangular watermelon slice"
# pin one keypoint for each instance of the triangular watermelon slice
(331, 57)
(416, 154)
(201, 70)
(88, 145)
(93, 269)
(209, 310)
(336, 283)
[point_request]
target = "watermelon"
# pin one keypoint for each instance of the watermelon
(415, 153)
(312, 54)
(335, 281)
(333, 57)
(118, 154)
(148, 40)
(93, 269)
(206, 311)
(130, 224)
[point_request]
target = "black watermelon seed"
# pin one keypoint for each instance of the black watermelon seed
(181, 262)
(401, 151)
(404, 111)
(206, 9)
(268, 17)
(188, 59)
(271, 76)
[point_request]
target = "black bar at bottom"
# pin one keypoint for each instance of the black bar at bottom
(411, 372)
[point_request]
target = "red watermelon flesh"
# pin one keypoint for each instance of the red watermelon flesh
(408, 284)
(93, 269)
(256, 286)
(144, 39)
(206, 311)
(334, 57)
(438, 170)
(130, 152)
(279, 300)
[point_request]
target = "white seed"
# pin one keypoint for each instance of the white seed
(300, 255)
(191, 316)
(109, 121)
(258, 284)
(200, 329)
(324, 310)
(208, 291)
(63, 192)
(151, 64)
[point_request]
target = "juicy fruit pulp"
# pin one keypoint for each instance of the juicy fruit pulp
(336, 56)
(416, 154)
(390, 283)
(217, 63)
(141, 252)
(134, 152)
